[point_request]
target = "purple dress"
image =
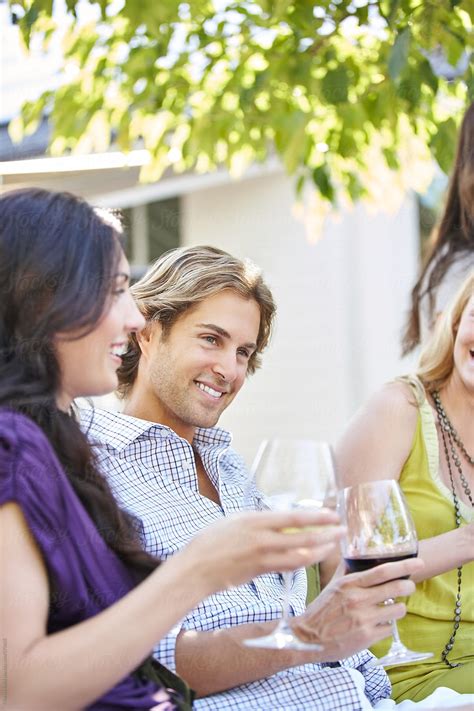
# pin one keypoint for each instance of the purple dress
(85, 575)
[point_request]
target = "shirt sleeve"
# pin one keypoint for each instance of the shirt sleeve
(29, 476)
(377, 683)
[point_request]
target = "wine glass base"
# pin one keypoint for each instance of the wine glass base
(397, 658)
(282, 640)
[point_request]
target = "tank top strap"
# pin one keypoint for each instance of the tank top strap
(428, 423)
(431, 443)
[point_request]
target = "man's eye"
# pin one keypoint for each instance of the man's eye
(210, 339)
(244, 352)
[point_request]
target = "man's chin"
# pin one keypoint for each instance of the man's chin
(208, 422)
(207, 419)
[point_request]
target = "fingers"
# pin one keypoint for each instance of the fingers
(377, 594)
(304, 538)
(295, 558)
(389, 571)
(393, 589)
(391, 611)
(298, 518)
(290, 540)
(291, 519)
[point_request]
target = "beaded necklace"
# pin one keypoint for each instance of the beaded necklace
(451, 437)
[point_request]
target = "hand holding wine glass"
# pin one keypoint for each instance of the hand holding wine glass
(379, 530)
(293, 474)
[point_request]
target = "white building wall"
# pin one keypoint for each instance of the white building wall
(341, 303)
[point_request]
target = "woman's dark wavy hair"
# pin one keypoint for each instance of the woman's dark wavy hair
(455, 234)
(58, 258)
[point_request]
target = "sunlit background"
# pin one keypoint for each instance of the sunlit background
(341, 278)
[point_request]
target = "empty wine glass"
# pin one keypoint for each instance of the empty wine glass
(291, 474)
(380, 529)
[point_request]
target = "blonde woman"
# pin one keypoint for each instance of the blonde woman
(420, 431)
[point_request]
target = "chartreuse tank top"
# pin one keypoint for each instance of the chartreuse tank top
(429, 622)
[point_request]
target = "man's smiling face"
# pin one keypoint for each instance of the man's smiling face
(194, 371)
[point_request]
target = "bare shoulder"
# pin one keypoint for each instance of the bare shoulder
(394, 401)
(379, 437)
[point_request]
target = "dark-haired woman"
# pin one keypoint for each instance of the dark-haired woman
(82, 605)
(452, 255)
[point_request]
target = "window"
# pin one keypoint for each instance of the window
(151, 229)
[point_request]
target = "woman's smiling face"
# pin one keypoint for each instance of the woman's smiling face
(89, 364)
(464, 346)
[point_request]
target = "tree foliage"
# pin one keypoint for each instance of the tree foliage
(204, 83)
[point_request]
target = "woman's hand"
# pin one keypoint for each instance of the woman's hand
(249, 544)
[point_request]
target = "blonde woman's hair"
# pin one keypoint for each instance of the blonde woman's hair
(182, 278)
(437, 357)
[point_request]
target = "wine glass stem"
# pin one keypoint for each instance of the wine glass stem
(395, 635)
(287, 578)
(397, 644)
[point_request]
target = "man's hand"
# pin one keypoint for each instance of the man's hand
(349, 614)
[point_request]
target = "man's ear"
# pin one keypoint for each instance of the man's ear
(147, 337)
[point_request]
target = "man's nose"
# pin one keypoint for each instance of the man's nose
(225, 366)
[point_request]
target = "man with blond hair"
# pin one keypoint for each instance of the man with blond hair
(208, 318)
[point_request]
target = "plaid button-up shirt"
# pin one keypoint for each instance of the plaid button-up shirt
(153, 475)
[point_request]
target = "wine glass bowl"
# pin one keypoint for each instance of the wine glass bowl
(379, 525)
(295, 473)
(379, 529)
(291, 474)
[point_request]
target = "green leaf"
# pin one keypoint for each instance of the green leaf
(335, 85)
(323, 182)
(391, 158)
(409, 89)
(27, 22)
(470, 83)
(355, 187)
(399, 54)
(348, 146)
(362, 14)
(453, 48)
(392, 11)
(443, 144)
(280, 7)
(300, 184)
(291, 139)
(427, 76)
(468, 6)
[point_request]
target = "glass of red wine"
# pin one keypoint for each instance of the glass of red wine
(380, 530)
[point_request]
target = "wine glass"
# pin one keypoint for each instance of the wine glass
(291, 474)
(379, 530)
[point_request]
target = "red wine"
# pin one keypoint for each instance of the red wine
(358, 565)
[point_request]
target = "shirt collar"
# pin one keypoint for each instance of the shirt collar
(114, 429)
